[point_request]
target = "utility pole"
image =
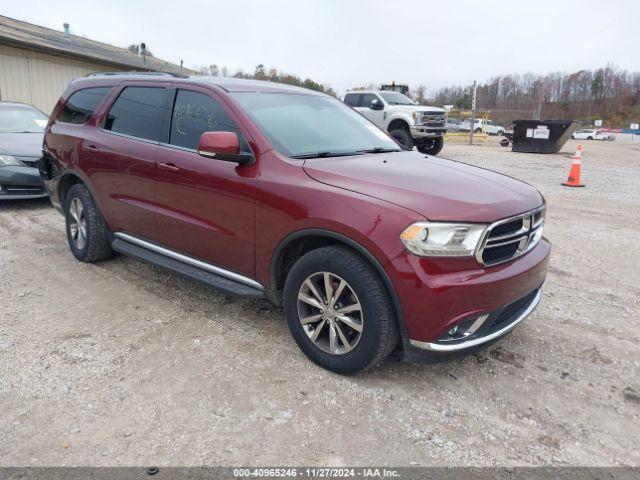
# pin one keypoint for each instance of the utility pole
(473, 112)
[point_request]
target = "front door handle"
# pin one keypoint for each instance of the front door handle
(90, 148)
(169, 167)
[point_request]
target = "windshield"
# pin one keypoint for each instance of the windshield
(301, 125)
(21, 119)
(396, 98)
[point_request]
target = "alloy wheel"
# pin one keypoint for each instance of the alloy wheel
(330, 313)
(77, 223)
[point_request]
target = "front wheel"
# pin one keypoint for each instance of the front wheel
(338, 310)
(403, 137)
(431, 146)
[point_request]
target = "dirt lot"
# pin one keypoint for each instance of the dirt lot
(123, 364)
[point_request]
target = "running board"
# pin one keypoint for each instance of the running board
(216, 281)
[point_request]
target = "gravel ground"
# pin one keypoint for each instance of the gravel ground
(120, 363)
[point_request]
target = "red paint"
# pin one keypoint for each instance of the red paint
(236, 216)
(219, 142)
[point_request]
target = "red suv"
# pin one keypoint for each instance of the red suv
(268, 190)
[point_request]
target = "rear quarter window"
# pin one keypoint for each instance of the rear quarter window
(80, 105)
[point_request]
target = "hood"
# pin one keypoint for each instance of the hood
(420, 108)
(22, 144)
(438, 189)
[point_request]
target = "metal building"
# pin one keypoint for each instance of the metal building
(37, 63)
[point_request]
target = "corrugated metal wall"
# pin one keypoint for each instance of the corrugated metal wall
(38, 78)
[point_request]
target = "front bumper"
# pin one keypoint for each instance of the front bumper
(19, 183)
(426, 131)
(493, 325)
(437, 295)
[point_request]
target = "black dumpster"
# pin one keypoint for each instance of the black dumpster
(541, 136)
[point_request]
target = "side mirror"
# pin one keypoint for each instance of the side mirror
(223, 146)
(376, 105)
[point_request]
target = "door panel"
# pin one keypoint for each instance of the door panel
(376, 116)
(120, 158)
(204, 207)
(122, 172)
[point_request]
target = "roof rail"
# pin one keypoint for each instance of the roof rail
(144, 73)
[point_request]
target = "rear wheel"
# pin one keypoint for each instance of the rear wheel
(86, 230)
(403, 137)
(431, 146)
(338, 310)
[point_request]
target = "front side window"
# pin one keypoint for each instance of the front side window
(396, 98)
(81, 104)
(137, 112)
(17, 118)
(301, 124)
(367, 98)
(195, 113)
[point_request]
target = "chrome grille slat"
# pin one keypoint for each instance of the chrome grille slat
(493, 249)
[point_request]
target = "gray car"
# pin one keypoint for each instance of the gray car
(21, 136)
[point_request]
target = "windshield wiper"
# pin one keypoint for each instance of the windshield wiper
(379, 150)
(325, 154)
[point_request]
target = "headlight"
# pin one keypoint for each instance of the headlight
(6, 160)
(429, 239)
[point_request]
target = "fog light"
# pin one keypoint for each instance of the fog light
(464, 328)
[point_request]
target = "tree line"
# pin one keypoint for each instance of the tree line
(272, 75)
(608, 93)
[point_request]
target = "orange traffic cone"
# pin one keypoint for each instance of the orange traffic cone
(574, 173)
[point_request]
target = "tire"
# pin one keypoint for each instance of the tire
(589, 138)
(90, 243)
(573, 137)
(500, 133)
(431, 147)
(477, 130)
(378, 334)
(403, 137)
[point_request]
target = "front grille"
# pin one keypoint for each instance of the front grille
(508, 227)
(509, 238)
(432, 119)
(499, 254)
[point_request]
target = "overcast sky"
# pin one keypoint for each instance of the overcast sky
(345, 43)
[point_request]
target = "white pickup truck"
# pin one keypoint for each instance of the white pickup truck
(490, 127)
(407, 122)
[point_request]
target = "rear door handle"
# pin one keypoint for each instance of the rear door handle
(90, 148)
(169, 167)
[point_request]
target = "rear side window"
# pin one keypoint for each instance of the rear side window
(352, 99)
(137, 112)
(195, 113)
(81, 105)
